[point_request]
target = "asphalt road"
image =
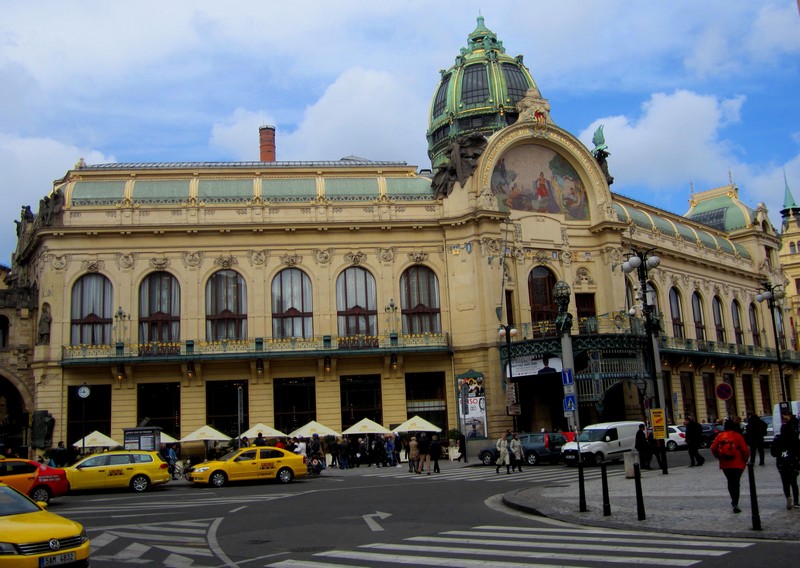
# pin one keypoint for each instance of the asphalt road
(377, 517)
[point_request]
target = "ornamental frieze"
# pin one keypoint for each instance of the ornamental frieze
(258, 257)
(386, 254)
(159, 263)
(355, 258)
(420, 257)
(322, 256)
(226, 262)
(125, 261)
(93, 265)
(291, 259)
(192, 259)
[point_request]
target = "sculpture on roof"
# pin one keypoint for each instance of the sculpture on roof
(463, 154)
(601, 153)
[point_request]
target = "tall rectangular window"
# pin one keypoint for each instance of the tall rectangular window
(361, 398)
(425, 397)
(161, 404)
(687, 392)
(766, 395)
(710, 398)
(295, 403)
(222, 406)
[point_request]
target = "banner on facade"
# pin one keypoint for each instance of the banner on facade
(522, 367)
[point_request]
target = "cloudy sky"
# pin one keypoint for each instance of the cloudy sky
(689, 92)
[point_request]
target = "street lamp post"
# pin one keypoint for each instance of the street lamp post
(770, 294)
(507, 332)
(642, 262)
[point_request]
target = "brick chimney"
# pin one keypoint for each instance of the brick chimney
(266, 137)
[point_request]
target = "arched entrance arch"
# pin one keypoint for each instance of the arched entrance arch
(622, 401)
(15, 401)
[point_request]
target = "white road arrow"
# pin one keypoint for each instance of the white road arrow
(372, 523)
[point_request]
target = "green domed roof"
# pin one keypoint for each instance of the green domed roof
(721, 208)
(479, 93)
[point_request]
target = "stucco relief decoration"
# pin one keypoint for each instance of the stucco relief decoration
(192, 259)
(418, 257)
(93, 265)
(582, 275)
(257, 257)
(355, 258)
(537, 179)
(59, 261)
(226, 262)
(491, 247)
(541, 257)
(125, 261)
(291, 259)
(322, 256)
(386, 254)
(159, 263)
(534, 107)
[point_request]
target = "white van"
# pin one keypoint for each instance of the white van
(599, 442)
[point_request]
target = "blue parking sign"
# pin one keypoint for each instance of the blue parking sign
(567, 378)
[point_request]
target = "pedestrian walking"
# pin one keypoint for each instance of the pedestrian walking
(642, 446)
(413, 454)
(754, 434)
(436, 452)
(694, 439)
(516, 452)
(502, 449)
(732, 452)
(786, 451)
(424, 446)
(462, 448)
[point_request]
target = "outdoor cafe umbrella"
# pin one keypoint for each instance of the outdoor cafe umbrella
(367, 426)
(167, 439)
(96, 440)
(417, 424)
(312, 428)
(266, 431)
(206, 433)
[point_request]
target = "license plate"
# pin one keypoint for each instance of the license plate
(56, 559)
(569, 457)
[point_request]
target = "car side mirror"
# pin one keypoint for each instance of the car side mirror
(608, 438)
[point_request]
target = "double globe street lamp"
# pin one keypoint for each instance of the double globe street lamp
(770, 294)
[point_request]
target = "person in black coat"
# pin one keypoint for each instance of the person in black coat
(694, 439)
(786, 450)
(756, 430)
(642, 446)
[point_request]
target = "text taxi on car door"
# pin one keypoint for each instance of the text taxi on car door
(134, 469)
(38, 481)
(264, 462)
(31, 537)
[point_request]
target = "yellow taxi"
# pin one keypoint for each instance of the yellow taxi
(31, 537)
(253, 463)
(137, 470)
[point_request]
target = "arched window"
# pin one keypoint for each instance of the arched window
(719, 321)
(292, 305)
(419, 301)
(629, 296)
(736, 320)
(676, 313)
(697, 314)
(541, 283)
(754, 327)
(159, 308)
(356, 303)
(226, 306)
(92, 311)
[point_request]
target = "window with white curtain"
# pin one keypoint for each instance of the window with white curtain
(699, 320)
(419, 301)
(356, 302)
(719, 321)
(677, 313)
(736, 320)
(754, 331)
(226, 306)
(92, 311)
(159, 308)
(292, 307)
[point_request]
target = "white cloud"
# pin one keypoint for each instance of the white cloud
(30, 165)
(237, 137)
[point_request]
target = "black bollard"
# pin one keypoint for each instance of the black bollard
(606, 498)
(581, 488)
(663, 450)
(751, 474)
(637, 477)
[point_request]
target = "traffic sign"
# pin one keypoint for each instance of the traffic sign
(570, 403)
(724, 391)
(569, 389)
(659, 421)
(567, 378)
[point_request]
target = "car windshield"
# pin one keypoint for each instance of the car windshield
(14, 503)
(592, 435)
(228, 456)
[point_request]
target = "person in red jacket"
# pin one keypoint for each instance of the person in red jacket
(732, 452)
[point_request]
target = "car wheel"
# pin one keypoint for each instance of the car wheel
(532, 458)
(41, 494)
(487, 458)
(140, 483)
(672, 446)
(218, 479)
(598, 457)
(285, 475)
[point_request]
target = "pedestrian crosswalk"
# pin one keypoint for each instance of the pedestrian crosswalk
(548, 474)
(513, 546)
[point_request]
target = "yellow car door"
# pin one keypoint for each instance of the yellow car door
(119, 471)
(243, 466)
(268, 462)
(89, 474)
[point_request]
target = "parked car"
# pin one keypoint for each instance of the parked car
(251, 463)
(135, 469)
(676, 437)
(31, 536)
(598, 442)
(538, 447)
(710, 431)
(38, 481)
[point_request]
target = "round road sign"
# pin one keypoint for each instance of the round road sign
(724, 391)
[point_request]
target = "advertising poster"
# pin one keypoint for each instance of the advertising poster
(472, 406)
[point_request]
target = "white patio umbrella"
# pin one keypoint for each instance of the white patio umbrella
(266, 431)
(367, 426)
(417, 424)
(206, 433)
(312, 428)
(167, 439)
(96, 440)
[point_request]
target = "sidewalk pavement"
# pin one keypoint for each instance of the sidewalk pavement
(688, 500)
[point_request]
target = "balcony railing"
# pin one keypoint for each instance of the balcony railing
(258, 345)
